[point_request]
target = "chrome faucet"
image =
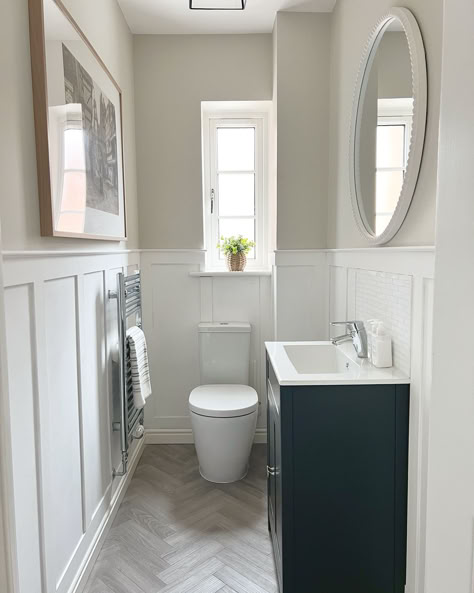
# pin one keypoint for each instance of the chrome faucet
(356, 333)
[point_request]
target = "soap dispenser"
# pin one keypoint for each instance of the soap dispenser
(381, 347)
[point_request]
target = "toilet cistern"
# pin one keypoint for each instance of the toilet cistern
(356, 332)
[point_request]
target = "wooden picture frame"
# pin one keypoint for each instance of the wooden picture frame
(78, 128)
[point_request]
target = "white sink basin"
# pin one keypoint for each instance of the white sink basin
(316, 359)
(322, 363)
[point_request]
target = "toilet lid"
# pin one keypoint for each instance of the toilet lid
(223, 401)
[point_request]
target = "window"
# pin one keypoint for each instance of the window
(234, 184)
(68, 180)
(73, 201)
(391, 168)
(394, 123)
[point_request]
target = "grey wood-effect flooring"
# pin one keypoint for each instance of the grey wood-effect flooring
(177, 533)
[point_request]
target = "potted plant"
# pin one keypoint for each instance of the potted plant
(235, 249)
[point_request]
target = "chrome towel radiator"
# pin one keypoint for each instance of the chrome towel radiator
(130, 421)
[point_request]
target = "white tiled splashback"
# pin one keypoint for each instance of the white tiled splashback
(384, 296)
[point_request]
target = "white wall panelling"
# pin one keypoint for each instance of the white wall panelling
(8, 573)
(300, 295)
(60, 424)
(171, 312)
(176, 299)
(60, 328)
(23, 421)
(396, 284)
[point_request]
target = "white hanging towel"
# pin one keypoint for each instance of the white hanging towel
(141, 384)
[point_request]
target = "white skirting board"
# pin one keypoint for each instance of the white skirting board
(184, 436)
(93, 552)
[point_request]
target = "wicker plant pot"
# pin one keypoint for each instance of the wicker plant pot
(236, 262)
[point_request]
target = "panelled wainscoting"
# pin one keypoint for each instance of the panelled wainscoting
(300, 295)
(61, 329)
(177, 297)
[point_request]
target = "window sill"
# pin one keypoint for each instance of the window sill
(213, 273)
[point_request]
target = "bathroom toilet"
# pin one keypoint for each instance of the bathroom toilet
(224, 408)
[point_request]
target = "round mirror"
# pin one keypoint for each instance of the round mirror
(388, 126)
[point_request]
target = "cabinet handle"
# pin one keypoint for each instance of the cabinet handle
(271, 471)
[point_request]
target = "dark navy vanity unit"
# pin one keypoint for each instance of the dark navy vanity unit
(337, 486)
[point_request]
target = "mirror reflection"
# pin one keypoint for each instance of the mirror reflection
(384, 128)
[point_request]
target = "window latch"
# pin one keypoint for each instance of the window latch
(212, 201)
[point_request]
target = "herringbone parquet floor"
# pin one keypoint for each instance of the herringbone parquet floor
(177, 533)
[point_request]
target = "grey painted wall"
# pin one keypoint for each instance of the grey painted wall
(368, 145)
(302, 43)
(394, 68)
(173, 74)
(108, 32)
(352, 23)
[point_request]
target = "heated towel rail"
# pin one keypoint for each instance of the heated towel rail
(130, 421)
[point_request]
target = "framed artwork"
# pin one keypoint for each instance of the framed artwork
(78, 125)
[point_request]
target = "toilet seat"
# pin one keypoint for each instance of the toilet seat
(223, 401)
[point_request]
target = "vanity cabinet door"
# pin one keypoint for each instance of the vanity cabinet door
(274, 477)
(278, 481)
(350, 488)
(271, 462)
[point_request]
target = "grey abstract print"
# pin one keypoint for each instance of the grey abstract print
(100, 135)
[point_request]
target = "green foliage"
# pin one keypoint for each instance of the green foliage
(235, 245)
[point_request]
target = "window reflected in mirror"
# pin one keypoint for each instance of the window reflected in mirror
(384, 129)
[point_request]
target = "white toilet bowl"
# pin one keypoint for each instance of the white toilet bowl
(223, 418)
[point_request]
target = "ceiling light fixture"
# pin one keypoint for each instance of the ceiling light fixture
(217, 4)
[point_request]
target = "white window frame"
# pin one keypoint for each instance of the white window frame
(396, 112)
(211, 121)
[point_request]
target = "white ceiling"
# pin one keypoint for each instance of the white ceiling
(175, 17)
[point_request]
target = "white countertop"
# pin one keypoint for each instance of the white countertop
(356, 371)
